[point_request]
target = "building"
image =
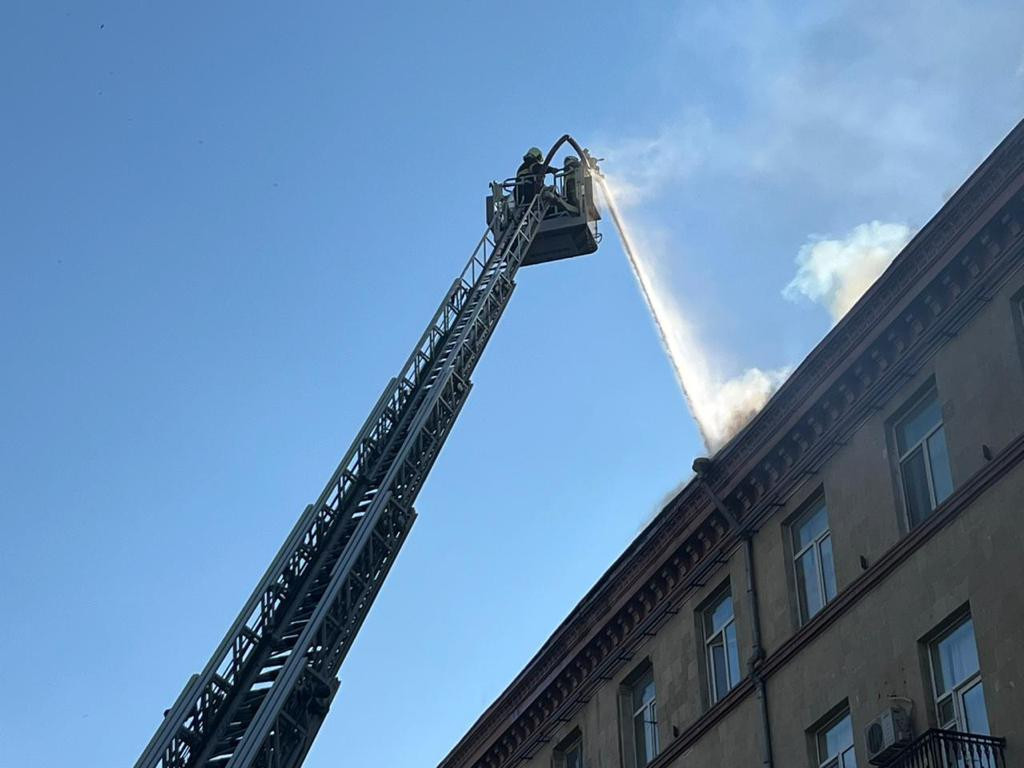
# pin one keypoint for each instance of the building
(854, 556)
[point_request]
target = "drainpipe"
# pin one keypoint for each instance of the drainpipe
(703, 466)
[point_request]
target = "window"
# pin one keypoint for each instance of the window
(923, 458)
(573, 757)
(569, 754)
(638, 712)
(723, 657)
(645, 719)
(812, 560)
(956, 680)
(835, 744)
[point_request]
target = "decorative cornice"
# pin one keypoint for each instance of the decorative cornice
(933, 287)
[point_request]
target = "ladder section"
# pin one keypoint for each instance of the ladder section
(268, 661)
(292, 712)
(283, 651)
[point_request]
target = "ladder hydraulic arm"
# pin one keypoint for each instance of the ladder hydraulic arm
(263, 695)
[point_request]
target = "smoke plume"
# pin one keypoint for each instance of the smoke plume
(832, 272)
(835, 273)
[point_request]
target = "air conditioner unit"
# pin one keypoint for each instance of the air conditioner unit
(887, 735)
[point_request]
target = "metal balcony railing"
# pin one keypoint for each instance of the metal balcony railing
(951, 749)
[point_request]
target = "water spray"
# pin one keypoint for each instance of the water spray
(720, 405)
(647, 291)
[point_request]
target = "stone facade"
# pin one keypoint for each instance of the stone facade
(946, 319)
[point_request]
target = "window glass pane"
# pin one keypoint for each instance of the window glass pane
(849, 759)
(812, 527)
(647, 694)
(974, 710)
(822, 746)
(718, 670)
(807, 581)
(840, 735)
(734, 654)
(942, 480)
(947, 713)
(915, 487)
(573, 756)
(641, 739)
(643, 690)
(645, 734)
(719, 614)
(836, 738)
(955, 657)
(828, 568)
(918, 423)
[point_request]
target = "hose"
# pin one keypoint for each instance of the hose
(567, 139)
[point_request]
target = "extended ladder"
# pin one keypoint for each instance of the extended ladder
(265, 692)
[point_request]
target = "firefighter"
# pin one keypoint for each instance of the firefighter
(530, 176)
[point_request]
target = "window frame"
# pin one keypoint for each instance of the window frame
(930, 391)
(642, 725)
(633, 753)
(820, 734)
(710, 635)
(810, 510)
(955, 691)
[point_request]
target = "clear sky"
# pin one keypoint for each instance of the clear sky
(223, 225)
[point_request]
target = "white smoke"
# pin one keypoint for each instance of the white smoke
(720, 404)
(835, 273)
(832, 272)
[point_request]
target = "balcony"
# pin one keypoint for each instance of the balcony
(951, 749)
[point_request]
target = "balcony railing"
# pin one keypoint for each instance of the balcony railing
(951, 749)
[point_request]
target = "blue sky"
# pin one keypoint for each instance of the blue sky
(224, 225)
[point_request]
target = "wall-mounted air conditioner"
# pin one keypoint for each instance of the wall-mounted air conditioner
(887, 735)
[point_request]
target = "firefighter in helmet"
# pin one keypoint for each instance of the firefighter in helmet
(530, 176)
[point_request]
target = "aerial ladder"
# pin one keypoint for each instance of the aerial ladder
(265, 692)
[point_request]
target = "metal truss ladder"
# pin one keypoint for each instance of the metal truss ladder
(261, 699)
